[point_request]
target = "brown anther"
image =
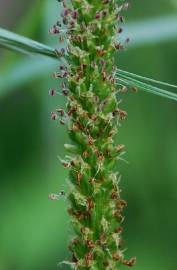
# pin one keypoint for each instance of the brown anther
(134, 89)
(102, 238)
(111, 133)
(61, 112)
(119, 46)
(98, 15)
(85, 154)
(100, 52)
(93, 117)
(106, 1)
(62, 122)
(90, 203)
(119, 206)
(71, 111)
(118, 215)
(80, 126)
(52, 92)
(120, 147)
(75, 128)
(82, 230)
(114, 113)
(83, 66)
(62, 193)
(65, 164)
(65, 92)
(115, 256)
(84, 114)
(78, 70)
(72, 98)
(54, 30)
(88, 258)
(120, 18)
(123, 202)
(96, 99)
(119, 30)
(100, 157)
(119, 230)
(114, 195)
(89, 243)
(90, 140)
(54, 116)
(130, 262)
(79, 215)
(91, 181)
(122, 115)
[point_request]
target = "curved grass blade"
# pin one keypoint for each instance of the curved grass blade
(130, 82)
(22, 44)
(134, 76)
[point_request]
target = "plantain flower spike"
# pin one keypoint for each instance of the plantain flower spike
(90, 29)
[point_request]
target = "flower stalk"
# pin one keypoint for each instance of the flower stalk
(92, 118)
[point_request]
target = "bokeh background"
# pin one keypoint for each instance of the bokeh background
(34, 231)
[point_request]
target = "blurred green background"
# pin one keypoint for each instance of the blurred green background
(34, 231)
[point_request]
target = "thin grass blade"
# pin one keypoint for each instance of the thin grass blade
(22, 44)
(136, 76)
(130, 82)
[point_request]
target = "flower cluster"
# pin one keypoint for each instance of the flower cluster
(92, 118)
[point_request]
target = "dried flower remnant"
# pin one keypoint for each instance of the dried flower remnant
(92, 119)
